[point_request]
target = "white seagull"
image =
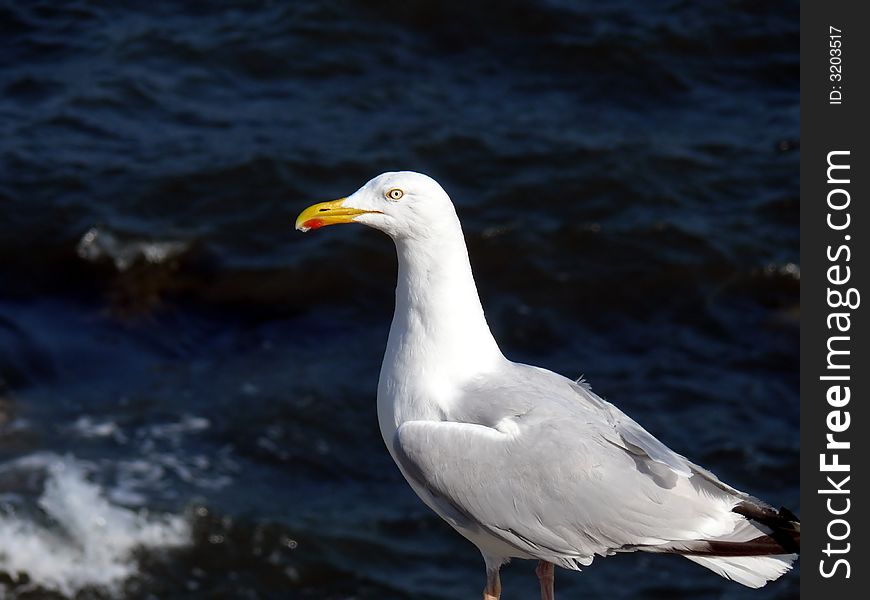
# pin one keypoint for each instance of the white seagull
(521, 461)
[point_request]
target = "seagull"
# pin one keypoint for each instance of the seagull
(521, 461)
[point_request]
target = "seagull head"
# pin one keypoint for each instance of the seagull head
(402, 204)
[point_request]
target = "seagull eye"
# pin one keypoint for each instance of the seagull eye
(395, 194)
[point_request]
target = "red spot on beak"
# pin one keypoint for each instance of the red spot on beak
(312, 224)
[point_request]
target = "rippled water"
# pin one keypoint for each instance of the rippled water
(187, 385)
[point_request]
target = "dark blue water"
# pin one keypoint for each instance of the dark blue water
(187, 385)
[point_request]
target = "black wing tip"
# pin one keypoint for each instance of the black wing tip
(767, 515)
(784, 536)
(783, 511)
(784, 525)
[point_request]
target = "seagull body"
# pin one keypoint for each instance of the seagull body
(524, 462)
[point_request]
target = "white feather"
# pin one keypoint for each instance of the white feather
(751, 571)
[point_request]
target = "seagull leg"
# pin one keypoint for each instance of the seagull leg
(546, 573)
(492, 591)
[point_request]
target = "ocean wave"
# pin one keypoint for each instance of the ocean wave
(99, 244)
(73, 537)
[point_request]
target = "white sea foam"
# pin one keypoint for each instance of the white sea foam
(99, 243)
(89, 427)
(80, 539)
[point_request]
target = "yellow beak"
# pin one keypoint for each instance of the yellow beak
(327, 213)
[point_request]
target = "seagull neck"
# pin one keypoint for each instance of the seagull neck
(439, 322)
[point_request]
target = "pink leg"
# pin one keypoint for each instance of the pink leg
(546, 573)
(492, 591)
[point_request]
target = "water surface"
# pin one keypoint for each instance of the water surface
(187, 386)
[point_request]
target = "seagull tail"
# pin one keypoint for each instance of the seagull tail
(751, 571)
(773, 545)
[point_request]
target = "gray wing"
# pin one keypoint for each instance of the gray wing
(557, 473)
(522, 388)
(631, 436)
